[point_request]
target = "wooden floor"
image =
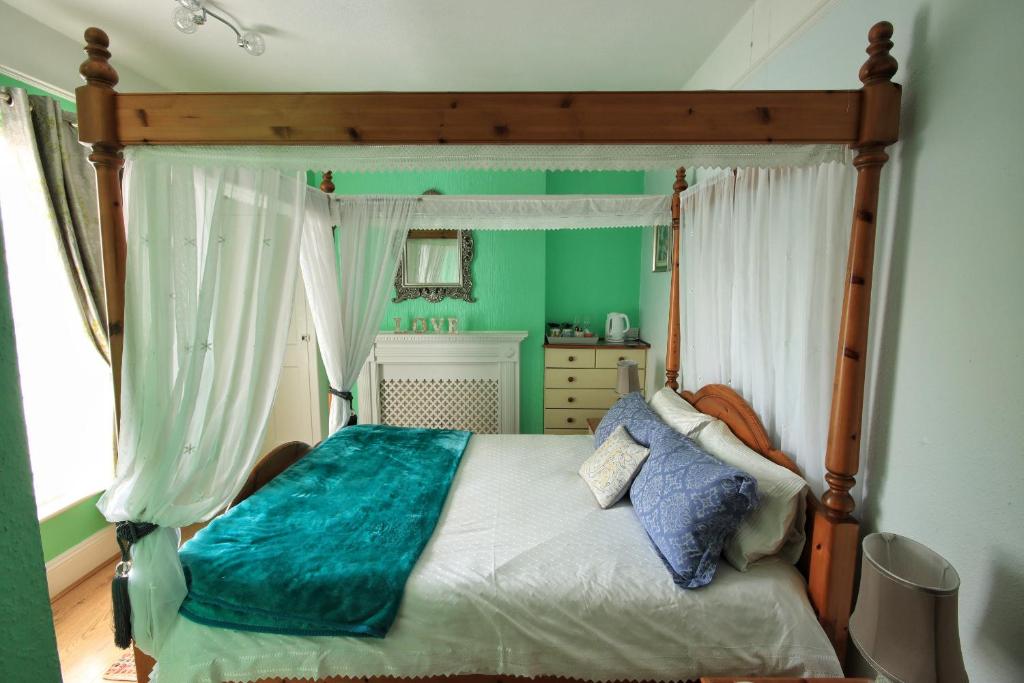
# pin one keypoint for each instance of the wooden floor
(82, 619)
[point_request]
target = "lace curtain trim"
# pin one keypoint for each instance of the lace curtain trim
(536, 212)
(375, 158)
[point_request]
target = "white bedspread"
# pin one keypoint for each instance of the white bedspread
(526, 575)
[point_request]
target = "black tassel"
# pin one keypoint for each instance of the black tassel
(122, 607)
(353, 419)
(128, 534)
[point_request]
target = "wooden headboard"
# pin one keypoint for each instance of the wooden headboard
(719, 400)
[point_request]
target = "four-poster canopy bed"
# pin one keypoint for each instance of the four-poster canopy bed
(866, 119)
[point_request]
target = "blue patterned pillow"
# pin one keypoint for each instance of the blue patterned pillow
(632, 412)
(690, 504)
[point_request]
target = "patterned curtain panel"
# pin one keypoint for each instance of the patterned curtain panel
(70, 183)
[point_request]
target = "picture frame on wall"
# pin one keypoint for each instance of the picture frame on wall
(662, 246)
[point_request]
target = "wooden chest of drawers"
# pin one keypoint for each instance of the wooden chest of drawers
(579, 383)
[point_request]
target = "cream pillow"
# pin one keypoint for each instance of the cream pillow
(776, 527)
(612, 467)
(677, 413)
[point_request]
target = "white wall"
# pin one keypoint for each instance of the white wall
(31, 48)
(945, 459)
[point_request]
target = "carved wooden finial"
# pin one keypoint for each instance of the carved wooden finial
(881, 66)
(96, 69)
(680, 184)
(327, 183)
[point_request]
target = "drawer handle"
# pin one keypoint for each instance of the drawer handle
(572, 379)
(571, 399)
(622, 358)
(570, 420)
(572, 358)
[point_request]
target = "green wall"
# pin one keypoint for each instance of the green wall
(80, 521)
(592, 273)
(523, 279)
(28, 647)
(71, 527)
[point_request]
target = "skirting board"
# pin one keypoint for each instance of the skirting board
(75, 563)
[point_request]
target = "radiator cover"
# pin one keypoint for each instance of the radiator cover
(466, 381)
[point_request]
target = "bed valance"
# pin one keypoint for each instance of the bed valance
(544, 212)
(376, 158)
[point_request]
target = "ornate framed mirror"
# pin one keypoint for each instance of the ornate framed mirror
(436, 265)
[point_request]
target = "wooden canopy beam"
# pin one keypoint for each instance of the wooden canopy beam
(483, 118)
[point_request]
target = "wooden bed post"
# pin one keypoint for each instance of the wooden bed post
(327, 183)
(97, 125)
(836, 533)
(672, 359)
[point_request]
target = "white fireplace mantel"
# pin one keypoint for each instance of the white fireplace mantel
(468, 380)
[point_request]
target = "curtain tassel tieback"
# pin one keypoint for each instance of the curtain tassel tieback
(346, 396)
(128, 534)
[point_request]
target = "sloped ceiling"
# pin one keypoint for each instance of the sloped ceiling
(410, 45)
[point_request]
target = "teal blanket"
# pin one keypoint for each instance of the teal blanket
(326, 547)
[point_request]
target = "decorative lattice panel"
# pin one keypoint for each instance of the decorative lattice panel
(472, 404)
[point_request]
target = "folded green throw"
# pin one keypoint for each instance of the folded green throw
(327, 546)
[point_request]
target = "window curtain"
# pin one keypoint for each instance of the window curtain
(211, 267)
(763, 262)
(37, 123)
(347, 289)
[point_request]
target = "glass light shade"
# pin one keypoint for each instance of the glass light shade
(252, 43)
(191, 5)
(905, 623)
(184, 20)
(629, 377)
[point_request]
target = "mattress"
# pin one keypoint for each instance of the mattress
(525, 575)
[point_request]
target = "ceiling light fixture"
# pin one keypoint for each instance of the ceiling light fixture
(191, 14)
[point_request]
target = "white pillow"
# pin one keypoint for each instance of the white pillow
(678, 413)
(776, 527)
(612, 467)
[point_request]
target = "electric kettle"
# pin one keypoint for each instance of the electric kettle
(615, 327)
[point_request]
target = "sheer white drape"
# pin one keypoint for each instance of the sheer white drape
(763, 258)
(347, 289)
(212, 257)
(432, 260)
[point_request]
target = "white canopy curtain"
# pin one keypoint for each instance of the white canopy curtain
(374, 158)
(762, 263)
(213, 244)
(544, 212)
(212, 257)
(348, 289)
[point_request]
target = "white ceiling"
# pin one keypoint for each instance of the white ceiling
(410, 45)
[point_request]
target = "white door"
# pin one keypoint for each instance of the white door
(296, 412)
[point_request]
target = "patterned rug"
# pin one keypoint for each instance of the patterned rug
(123, 669)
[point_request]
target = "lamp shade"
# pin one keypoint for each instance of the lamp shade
(905, 623)
(629, 377)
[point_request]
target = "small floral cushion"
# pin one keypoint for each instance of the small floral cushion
(612, 467)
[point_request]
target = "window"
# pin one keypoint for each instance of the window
(65, 383)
